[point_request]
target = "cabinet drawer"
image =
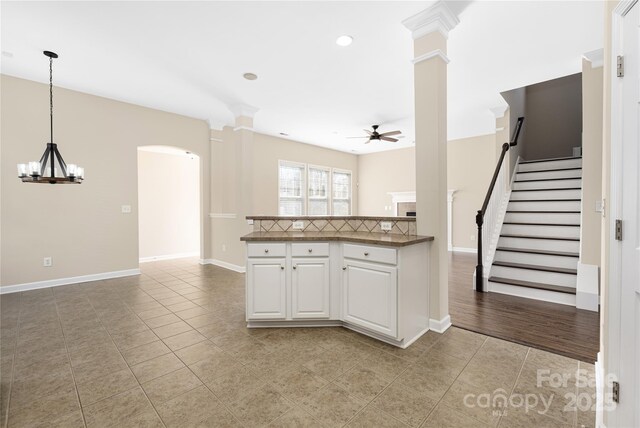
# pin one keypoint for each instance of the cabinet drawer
(372, 254)
(264, 249)
(311, 249)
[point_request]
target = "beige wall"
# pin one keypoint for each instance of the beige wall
(228, 206)
(268, 150)
(553, 117)
(168, 204)
(80, 226)
(591, 163)
(470, 163)
(381, 173)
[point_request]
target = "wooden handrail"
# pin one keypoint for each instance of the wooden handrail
(480, 214)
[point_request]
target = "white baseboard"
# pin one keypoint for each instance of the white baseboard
(66, 281)
(222, 264)
(464, 250)
(169, 257)
(440, 326)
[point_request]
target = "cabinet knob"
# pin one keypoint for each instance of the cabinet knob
(366, 254)
(344, 268)
(266, 250)
(310, 250)
(281, 267)
(295, 267)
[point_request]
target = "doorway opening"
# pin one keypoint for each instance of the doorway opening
(168, 203)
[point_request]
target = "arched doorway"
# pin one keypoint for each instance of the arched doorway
(169, 214)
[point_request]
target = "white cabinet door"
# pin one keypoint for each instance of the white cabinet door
(310, 285)
(370, 296)
(266, 289)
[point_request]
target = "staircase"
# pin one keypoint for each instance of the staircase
(539, 243)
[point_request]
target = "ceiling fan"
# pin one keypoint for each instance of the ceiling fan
(375, 135)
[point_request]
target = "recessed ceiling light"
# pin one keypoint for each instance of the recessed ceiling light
(344, 40)
(7, 54)
(250, 76)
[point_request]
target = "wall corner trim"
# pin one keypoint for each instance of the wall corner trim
(67, 281)
(433, 54)
(440, 326)
(223, 264)
(596, 57)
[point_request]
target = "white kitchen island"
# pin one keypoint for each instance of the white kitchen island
(373, 283)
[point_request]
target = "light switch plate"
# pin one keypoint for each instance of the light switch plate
(385, 226)
(298, 225)
(126, 209)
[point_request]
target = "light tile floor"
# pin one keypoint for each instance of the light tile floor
(170, 348)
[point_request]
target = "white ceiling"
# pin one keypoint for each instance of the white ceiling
(189, 58)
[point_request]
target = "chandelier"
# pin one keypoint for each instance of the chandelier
(38, 172)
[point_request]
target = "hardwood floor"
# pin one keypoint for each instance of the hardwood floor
(561, 329)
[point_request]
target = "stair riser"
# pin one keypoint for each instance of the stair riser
(556, 164)
(544, 206)
(540, 244)
(546, 195)
(533, 293)
(537, 259)
(547, 184)
(555, 231)
(576, 173)
(554, 218)
(552, 278)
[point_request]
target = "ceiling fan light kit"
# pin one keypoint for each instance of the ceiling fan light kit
(375, 135)
(37, 171)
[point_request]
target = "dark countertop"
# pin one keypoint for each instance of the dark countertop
(388, 239)
(328, 217)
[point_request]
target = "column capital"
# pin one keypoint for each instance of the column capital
(243, 110)
(596, 58)
(438, 17)
(499, 111)
(215, 124)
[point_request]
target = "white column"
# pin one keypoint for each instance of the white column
(430, 29)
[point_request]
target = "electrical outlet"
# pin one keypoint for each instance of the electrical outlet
(298, 225)
(385, 226)
(126, 209)
(47, 262)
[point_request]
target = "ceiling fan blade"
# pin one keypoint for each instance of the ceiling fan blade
(388, 134)
(364, 136)
(393, 140)
(368, 141)
(368, 132)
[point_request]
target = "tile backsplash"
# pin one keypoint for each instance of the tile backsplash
(399, 225)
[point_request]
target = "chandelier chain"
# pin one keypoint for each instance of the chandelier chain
(51, 95)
